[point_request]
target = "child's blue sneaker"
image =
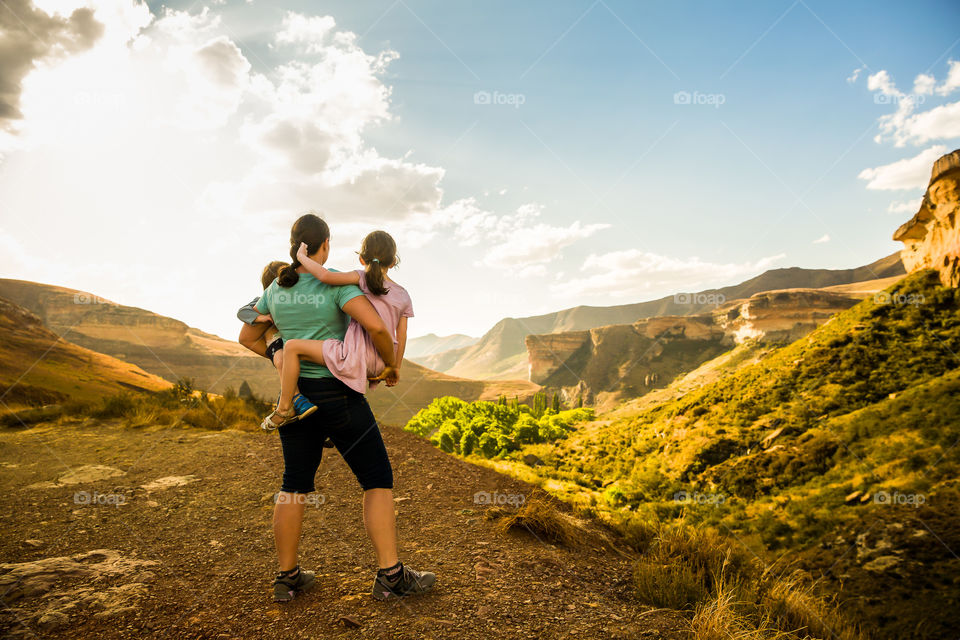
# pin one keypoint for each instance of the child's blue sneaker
(303, 406)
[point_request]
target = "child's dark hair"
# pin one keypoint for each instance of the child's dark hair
(379, 252)
(270, 272)
(311, 229)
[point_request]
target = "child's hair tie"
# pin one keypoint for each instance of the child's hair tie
(377, 260)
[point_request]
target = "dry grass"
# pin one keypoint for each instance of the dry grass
(791, 600)
(545, 521)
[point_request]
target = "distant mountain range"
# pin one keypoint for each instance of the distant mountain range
(166, 349)
(501, 353)
(432, 344)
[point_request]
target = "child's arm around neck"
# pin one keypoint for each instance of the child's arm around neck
(323, 274)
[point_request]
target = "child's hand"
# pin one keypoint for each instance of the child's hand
(302, 252)
(264, 319)
(389, 375)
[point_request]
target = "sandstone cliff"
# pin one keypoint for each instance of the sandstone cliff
(631, 359)
(931, 237)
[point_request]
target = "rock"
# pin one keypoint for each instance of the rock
(88, 473)
(35, 544)
(167, 482)
(931, 237)
(349, 621)
(882, 563)
(532, 460)
(770, 437)
(52, 620)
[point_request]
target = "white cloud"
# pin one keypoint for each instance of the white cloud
(632, 273)
(923, 84)
(822, 239)
(856, 74)
(952, 83)
(904, 206)
(882, 82)
(909, 173)
(310, 31)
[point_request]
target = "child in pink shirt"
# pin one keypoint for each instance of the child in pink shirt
(354, 360)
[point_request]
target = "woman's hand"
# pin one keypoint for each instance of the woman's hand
(389, 375)
(264, 319)
(302, 252)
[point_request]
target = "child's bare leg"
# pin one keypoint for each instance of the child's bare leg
(293, 351)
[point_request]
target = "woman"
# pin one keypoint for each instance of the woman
(302, 307)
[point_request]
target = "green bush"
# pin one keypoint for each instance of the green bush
(491, 429)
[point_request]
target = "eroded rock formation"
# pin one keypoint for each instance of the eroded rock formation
(931, 237)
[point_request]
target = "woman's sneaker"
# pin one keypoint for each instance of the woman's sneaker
(405, 582)
(286, 588)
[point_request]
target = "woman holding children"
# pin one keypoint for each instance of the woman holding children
(338, 330)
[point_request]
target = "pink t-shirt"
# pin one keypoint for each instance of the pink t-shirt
(355, 358)
(392, 306)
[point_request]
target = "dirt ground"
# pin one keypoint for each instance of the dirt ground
(179, 523)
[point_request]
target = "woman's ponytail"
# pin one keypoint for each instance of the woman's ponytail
(311, 230)
(379, 252)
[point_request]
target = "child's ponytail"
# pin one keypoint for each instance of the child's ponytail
(379, 252)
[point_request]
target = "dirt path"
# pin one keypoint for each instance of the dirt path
(192, 556)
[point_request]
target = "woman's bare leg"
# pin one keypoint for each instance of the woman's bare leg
(381, 524)
(287, 525)
(293, 350)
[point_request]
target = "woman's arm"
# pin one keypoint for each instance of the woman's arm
(401, 340)
(251, 336)
(323, 274)
(362, 311)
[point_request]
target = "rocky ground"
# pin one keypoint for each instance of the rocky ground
(111, 532)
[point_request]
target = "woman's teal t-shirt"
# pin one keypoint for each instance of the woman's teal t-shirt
(309, 310)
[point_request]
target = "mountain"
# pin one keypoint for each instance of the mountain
(431, 344)
(38, 368)
(501, 352)
(171, 350)
(607, 364)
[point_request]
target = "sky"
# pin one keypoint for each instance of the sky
(527, 157)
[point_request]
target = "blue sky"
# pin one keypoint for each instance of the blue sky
(637, 196)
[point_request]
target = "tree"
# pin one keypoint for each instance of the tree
(556, 402)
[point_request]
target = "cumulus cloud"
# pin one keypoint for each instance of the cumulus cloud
(907, 125)
(31, 37)
(909, 173)
(952, 83)
(822, 239)
(904, 206)
(632, 273)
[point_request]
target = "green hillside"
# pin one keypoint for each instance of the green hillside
(839, 451)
